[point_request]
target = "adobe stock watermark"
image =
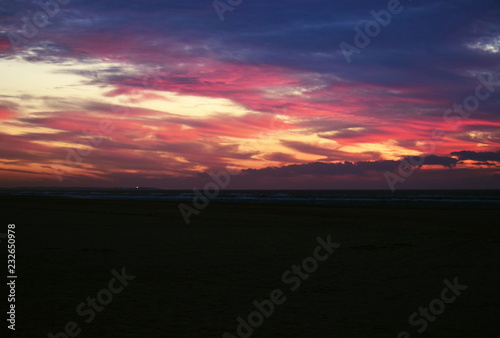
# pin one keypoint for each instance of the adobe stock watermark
(92, 305)
(222, 7)
(422, 318)
(456, 114)
(372, 29)
(293, 277)
(211, 190)
(34, 23)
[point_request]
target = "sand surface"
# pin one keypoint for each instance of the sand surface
(194, 281)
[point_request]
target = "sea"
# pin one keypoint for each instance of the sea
(431, 198)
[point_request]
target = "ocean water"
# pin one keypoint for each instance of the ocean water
(448, 198)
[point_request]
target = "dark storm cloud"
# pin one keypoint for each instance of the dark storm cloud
(444, 161)
(322, 169)
(345, 168)
(478, 156)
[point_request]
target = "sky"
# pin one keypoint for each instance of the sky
(287, 94)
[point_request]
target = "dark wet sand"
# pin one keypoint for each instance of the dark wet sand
(194, 281)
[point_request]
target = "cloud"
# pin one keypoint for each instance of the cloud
(6, 113)
(484, 156)
(444, 161)
(282, 157)
(203, 93)
(324, 169)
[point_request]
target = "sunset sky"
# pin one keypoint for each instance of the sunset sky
(158, 93)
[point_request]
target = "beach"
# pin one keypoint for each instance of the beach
(196, 280)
